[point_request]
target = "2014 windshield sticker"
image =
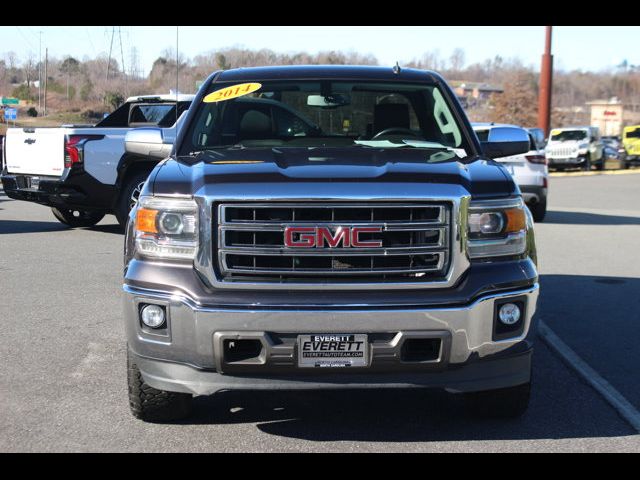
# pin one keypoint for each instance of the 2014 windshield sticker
(233, 91)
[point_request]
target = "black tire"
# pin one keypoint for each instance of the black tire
(152, 405)
(509, 402)
(586, 166)
(129, 196)
(601, 164)
(539, 210)
(77, 218)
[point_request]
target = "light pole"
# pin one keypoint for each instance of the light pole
(546, 74)
(40, 73)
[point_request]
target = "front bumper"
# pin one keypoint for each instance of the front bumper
(566, 161)
(188, 357)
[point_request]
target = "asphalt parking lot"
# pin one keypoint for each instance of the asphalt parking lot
(63, 384)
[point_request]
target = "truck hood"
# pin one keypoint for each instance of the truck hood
(573, 144)
(254, 171)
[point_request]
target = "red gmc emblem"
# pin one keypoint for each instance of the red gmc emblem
(319, 237)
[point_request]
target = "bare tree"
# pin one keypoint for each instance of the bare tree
(518, 104)
(456, 60)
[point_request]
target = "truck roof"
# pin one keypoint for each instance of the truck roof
(577, 127)
(475, 125)
(364, 72)
(164, 97)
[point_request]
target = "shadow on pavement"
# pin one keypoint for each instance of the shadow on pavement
(26, 226)
(583, 218)
(110, 228)
(559, 406)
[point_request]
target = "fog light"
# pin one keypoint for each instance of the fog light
(509, 313)
(152, 316)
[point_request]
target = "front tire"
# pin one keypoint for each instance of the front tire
(77, 218)
(586, 167)
(129, 196)
(539, 210)
(153, 405)
(509, 402)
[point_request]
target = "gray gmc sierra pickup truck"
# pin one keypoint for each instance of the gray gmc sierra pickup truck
(329, 227)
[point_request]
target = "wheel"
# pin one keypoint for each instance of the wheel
(539, 210)
(587, 164)
(129, 196)
(77, 218)
(509, 402)
(152, 405)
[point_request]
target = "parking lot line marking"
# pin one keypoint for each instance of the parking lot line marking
(586, 174)
(593, 378)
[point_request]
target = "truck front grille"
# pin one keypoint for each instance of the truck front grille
(414, 242)
(560, 152)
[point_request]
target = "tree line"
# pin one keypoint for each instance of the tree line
(100, 83)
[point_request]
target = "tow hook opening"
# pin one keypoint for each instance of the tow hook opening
(417, 350)
(241, 350)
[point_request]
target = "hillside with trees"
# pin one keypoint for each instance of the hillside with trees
(89, 87)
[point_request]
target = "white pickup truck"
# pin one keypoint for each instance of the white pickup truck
(83, 172)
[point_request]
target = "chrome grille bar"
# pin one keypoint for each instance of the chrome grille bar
(415, 240)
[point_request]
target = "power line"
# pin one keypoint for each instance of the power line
(25, 37)
(90, 42)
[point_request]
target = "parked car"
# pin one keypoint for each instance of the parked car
(376, 246)
(631, 144)
(575, 147)
(83, 172)
(529, 170)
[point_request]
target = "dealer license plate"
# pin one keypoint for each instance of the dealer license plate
(332, 350)
(32, 182)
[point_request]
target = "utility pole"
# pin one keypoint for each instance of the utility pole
(546, 79)
(124, 70)
(113, 31)
(46, 60)
(40, 73)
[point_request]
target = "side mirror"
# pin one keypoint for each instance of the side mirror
(147, 142)
(506, 141)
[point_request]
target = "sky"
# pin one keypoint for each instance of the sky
(574, 48)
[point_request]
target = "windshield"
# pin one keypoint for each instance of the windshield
(323, 114)
(633, 133)
(568, 135)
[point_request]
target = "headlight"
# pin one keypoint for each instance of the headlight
(166, 228)
(582, 146)
(497, 228)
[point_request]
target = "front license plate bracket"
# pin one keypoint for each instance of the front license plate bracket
(337, 350)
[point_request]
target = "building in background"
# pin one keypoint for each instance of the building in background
(610, 116)
(475, 93)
